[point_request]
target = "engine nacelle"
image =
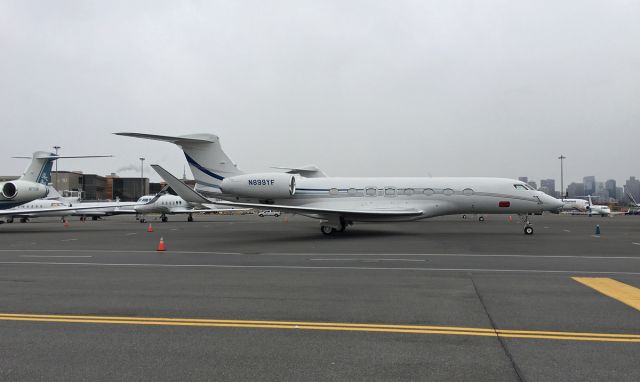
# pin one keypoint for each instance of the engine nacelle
(275, 185)
(22, 191)
(9, 190)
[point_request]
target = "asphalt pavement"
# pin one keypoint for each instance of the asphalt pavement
(249, 298)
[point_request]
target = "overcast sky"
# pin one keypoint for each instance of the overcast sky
(359, 88)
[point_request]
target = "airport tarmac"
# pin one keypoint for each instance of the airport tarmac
(249, 298)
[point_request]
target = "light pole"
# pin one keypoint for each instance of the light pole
(142, 174)
(562, 158)
(55, 185)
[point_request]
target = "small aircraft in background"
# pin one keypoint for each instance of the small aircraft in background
(168, 204)
(32, 186)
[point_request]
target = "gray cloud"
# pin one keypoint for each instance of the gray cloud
(498, 88)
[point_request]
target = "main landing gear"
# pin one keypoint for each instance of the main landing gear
(190, 218)
(327, 229)
(528, 227)
(164, 218)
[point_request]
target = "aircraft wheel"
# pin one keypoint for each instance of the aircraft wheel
(142, 220)
(190, 218)
(23, 220)
(261, 215)
(481, 218)
(165, 219)
(9, 220)
(528, 230)
(327, 230)
(464, 216)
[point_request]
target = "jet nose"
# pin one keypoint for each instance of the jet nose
(551, 203)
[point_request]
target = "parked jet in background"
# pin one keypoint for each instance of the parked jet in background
(579, 205)
(339, 202)
(32, 185)
(585, 207)
(167, 204)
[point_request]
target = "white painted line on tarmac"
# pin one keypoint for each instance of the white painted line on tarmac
(635, 243)
(69, 240)
(52, 256)
(455, 255)
(302, 267)
(319, 254)
(116, 251)
(368, 260)
(130, 234)
(566, 230)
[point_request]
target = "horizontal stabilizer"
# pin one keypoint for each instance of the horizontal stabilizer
(54, 156)
(186, 139)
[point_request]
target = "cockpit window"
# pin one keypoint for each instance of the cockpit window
(520, 187)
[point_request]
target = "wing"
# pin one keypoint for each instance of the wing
(183, 191)
(309, 171)
(374, 212)
(71, 210)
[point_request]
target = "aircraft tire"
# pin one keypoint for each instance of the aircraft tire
(528, 230)
(481, 218)
(327, 230)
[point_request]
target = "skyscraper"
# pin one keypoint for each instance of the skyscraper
(549, 186)
(575, 189)
(610, 186)
(632, 186)
(589, 185)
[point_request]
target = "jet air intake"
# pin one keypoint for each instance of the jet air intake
(9, 190)
(274, 185)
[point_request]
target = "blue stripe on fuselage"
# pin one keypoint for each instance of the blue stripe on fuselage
(201, 168)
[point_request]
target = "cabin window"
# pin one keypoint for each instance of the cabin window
(371, 191)
(408, 191)
(428, 191)
(467, 192)
(333, 191)
(519, 187)
(352, 191)
(390, 191)
(447, 191)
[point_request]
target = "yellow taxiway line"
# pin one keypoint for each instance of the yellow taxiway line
(381, 328)
(614, 289)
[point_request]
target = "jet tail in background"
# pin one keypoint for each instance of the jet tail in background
(39, 169)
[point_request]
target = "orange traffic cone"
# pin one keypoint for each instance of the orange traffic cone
(161, 247)
(66, 223)
(150, 228)
(510, 219)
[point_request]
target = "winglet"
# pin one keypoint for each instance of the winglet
(183, 191)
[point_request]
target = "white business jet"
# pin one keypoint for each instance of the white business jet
(579, 205)
(32, 185)
(339, 202)
(167, 204)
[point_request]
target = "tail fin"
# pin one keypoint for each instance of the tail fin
(208, 163)
(39, 169)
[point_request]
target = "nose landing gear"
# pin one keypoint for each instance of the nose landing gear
(528, 227)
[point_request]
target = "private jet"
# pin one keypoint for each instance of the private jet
(341, 202)
(32, 185)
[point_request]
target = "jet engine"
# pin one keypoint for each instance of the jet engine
(22, 191)
(9, 190)
(262, 185)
